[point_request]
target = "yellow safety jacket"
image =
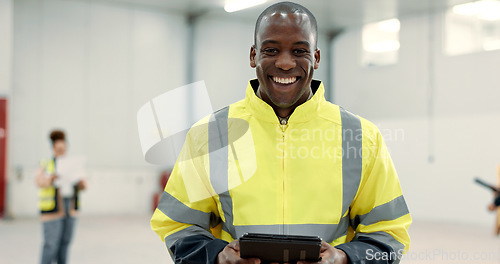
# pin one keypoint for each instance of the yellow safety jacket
(327, 172)
(48, 201)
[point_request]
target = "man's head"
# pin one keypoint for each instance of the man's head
(58, 139)
(285, 55)
(288, 7)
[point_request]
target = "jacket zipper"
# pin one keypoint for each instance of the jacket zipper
(283, 128)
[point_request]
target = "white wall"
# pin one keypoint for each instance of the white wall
(99, 63)
(87, 68)
(443, 106)
(221, 57)
(6, 39)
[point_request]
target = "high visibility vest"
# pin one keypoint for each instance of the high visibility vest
(49, 197)
(327, 173)
(48, 202)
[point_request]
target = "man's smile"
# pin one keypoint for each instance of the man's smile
(285, 80)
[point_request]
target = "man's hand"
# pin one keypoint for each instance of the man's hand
(231, 255)
(329, 255)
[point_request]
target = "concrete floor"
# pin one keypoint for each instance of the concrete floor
(98, 239)
(128, 239)
(452, 243)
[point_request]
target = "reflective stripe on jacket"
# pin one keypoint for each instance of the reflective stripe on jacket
(325, 173)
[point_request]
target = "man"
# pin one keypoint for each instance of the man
(315, 168)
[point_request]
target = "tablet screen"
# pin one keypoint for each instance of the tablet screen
(280, 248)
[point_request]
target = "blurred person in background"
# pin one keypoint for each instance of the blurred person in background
(495, 204)
(58, 212)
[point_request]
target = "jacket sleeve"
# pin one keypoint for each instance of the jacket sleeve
(187, 212)
(378, 214)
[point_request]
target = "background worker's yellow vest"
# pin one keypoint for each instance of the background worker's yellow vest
(48, 196)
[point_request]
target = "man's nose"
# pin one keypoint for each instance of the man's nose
(285, 61)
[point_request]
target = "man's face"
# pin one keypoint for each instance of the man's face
(285, 58)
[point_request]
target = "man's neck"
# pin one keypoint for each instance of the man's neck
(283, 113)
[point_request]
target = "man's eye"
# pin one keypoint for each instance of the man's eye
(270, 51)
(299, 51)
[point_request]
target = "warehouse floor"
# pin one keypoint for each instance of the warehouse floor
(98, 239)
(128, 239)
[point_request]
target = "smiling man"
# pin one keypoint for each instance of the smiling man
(285, 55)
(316, 169)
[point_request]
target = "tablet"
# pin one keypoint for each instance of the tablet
(280, 248)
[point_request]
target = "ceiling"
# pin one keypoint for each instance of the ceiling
(332, 15)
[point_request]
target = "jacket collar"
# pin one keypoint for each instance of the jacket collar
(303, 113)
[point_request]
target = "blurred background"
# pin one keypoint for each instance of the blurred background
(425, 71)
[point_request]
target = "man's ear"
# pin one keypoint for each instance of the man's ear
(253, 53)
(317, 56)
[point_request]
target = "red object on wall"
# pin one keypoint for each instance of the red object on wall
(164, 179)
(163, 182)
(3, 154)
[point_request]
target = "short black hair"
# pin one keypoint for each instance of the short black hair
(289, 8)
(56, 135)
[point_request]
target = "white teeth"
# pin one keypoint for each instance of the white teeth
(284, 80)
